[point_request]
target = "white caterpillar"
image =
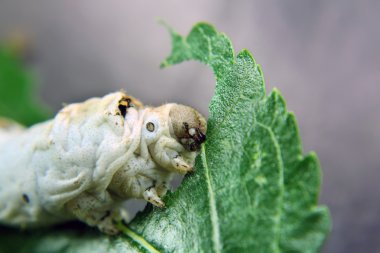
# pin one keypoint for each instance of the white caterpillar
(91, 157)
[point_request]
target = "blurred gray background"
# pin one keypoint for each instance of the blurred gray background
(324, 56)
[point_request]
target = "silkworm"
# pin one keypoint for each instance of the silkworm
(93, 156)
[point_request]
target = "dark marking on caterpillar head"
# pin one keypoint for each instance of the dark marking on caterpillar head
(189, 127)
(25, 198)
(185, 126)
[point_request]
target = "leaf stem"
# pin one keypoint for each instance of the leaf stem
(137, 238)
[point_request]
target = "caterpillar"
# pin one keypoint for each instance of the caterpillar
(91, 157)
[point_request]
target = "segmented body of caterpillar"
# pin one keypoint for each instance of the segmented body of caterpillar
(93, 155)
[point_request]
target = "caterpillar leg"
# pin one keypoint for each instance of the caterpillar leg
(180, 165)
(169, 154)
(107, 225)
(96, 211)
(161, 189)
(150, 195)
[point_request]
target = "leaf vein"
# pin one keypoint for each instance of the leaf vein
(214, 215)
(277, 228)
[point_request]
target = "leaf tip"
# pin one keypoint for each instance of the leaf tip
(245, 53)
(276, 92)
(164, 64)
(313, 158)
(205, 26)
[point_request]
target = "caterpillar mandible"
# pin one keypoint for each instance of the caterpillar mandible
(91, 157)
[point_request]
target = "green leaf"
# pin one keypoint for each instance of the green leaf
(253, 190)
(17, 100)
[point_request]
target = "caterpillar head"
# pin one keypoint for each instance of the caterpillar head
(172, 132)
(181, 123)
(188, 126)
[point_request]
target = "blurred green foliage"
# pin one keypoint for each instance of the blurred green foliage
(17, 85)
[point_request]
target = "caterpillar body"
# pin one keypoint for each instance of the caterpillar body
(91, 157)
